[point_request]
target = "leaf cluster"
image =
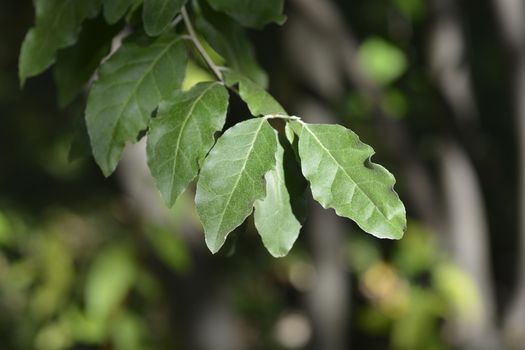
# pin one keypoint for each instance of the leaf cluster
(138, 89)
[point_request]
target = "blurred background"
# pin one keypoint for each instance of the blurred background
(437, 87)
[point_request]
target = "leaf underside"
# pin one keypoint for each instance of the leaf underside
(232, 178)
(274, 216)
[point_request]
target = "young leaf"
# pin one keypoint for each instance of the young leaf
(57, 25)
(114, 10)
(75, 65)
(131, 85)
(274, 216)
(182, 134)
(230, 41)
(232, 178)
(258, 100)
(337, 165)
(158, 14)
(251, 13)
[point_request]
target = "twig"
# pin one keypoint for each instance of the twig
(198, 45)
(176, 21)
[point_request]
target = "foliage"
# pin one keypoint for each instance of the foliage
(409, 294)
(139, 89)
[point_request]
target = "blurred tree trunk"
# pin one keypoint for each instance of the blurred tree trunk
(329, 300)
(511, 17)
(467, 232)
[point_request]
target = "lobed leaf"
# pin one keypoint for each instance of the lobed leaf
(274, 216)
(337, 165)
(158, 14)
(232, 178)
(182, 134)
(131, 85)
(251, 13)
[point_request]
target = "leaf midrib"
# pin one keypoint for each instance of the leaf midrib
(179, 136)
(305, 126)
(134, 91)
(256, 133)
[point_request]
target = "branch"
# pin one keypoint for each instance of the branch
(196, 42)
(468, 232)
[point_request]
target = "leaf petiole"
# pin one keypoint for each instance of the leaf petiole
(283, 116)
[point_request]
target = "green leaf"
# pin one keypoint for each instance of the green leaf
(76, 64)
(274, 216)
(258, 100)
(131, 85)
(158, 14)
(57, 26)
(337, 165)
(182, 134)
(114, 10)
(87, 8)
(232, 178)
(230, 41)
(251, 13)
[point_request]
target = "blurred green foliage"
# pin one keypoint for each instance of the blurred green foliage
(381, 60)
(66, 279)
(410, 293)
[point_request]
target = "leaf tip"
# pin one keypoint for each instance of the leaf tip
(22, 82)
(400, 233)
(22, 75)
(107, 169)
(281, 20)
(214, 245)
(278, 253)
